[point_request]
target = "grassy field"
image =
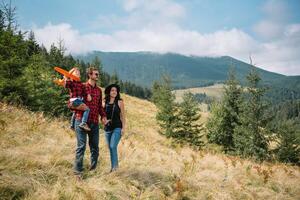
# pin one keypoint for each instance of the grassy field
(37, 154)
(214, 91)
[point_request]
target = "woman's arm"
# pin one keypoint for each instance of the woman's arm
(101, 108)
(123, 120)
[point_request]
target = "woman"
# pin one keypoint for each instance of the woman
(115, 127)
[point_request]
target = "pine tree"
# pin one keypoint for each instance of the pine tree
(33, 47)
(68, 62)
(12, 58)
(164, 99)
(225, 115)
(156, 87)
(82, 68)
(148, 93)
(288, 149)
(43, 95)
(188, 129)
(114, 78)
(105, 78)
(251, 135)
(55, 57)
(10, 16)
(2, 21)
(98, 65)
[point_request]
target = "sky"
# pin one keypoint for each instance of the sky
(266, 30)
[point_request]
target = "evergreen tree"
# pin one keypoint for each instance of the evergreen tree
(2, 21)
(69, 62)
(188, 129)
(98, 65)
(105, 79)
(13, 59)
(43, 95)
(56, 56)
(288, 149)
(82, 68)
(164, 99)
(225, 115)
(114, 78)
(156, 87)
(251, 135)
(148, 94)
(10, 16)
(33, 47)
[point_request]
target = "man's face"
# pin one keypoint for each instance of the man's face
(94, 75)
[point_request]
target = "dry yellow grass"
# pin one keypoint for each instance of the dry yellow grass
(37, 154)
(215, 91)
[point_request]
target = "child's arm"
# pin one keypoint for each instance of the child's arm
(67, 82)
(88, 93)
(89, 97)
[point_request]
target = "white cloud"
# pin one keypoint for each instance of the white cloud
(130, 5)
(272, 26)
(154, 26)
(282, 55)
(281, 45)
(169, 38)
(165, 8)
(276, 10)
(268, 30)
(142, 13)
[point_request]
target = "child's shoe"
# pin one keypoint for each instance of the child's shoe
(84, 126)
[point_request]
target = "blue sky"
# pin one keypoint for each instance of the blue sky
(269, 30)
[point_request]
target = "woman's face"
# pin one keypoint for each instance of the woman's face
(113, 92)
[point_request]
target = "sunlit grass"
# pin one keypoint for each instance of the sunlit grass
(37, 154)
(215, 91)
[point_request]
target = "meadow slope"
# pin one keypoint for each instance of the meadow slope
(37, 154)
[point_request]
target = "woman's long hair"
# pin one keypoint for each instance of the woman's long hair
(107, 93)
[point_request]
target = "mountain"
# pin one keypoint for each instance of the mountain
(186, 71)
(37, 155)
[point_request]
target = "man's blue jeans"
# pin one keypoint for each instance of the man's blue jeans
(112, 139)
(93, 136)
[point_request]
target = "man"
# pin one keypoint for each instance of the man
(94, 102)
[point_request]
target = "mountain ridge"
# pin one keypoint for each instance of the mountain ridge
(143, 67)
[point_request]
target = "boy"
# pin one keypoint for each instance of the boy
(77, 92)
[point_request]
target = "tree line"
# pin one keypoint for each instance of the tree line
(247, 124)
(26, 70)
(243, 122)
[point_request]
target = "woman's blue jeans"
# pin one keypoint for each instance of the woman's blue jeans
(113, 138)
